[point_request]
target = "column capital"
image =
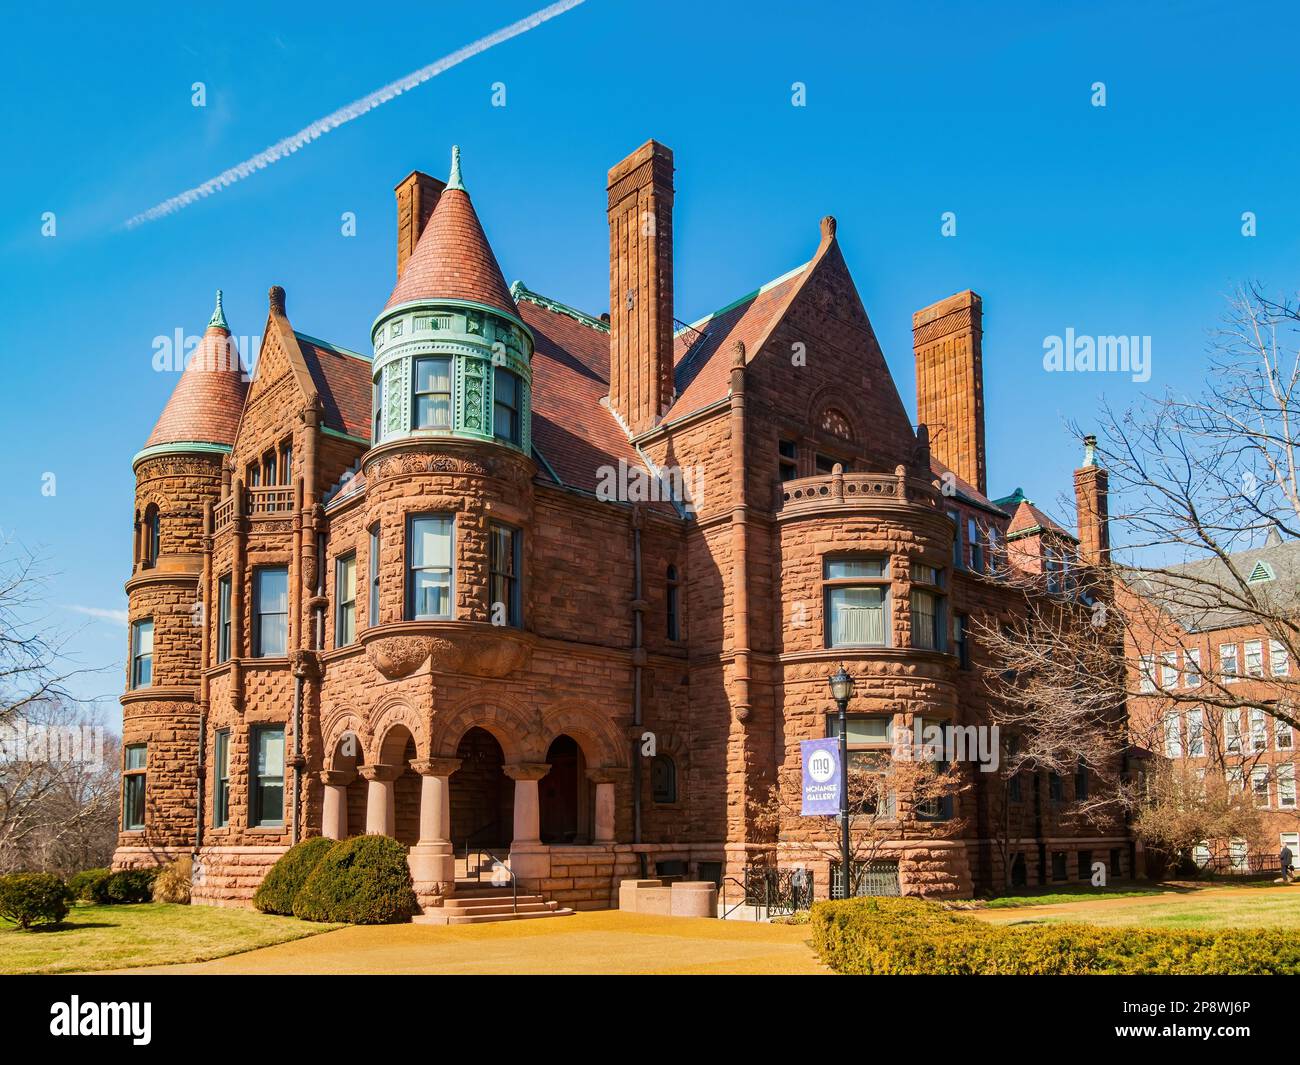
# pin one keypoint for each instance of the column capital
(607, 774)
(436, 767)
(526, 770)
(385, 774)
(336, 777)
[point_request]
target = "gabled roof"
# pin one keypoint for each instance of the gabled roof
(205, 406)
(701, 351)
(343, 382)
(966, 491)
(1028, 520)
(452, 259)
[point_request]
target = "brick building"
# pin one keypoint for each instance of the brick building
(1195, 657)
(434, 591)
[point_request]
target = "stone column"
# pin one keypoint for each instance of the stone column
(334, 822)
(606, 780)
(529, 859)
(381, 806)
(432, 859)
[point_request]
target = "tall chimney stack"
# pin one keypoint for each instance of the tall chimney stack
(641, 286)
(417, 196)
(1092, 506)
(946, 338)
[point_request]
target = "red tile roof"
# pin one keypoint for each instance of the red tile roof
(963, 486)
(208, 399)
(343, 382)
(453, 260)
(702, 375)
(1028, 516)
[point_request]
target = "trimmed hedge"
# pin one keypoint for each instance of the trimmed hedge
(131, 885)
(286, 877)
(89, 885)
(363, 880)
(875, 936)
(29, 899)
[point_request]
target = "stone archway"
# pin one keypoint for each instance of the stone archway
(481, 795)
(564, 795)
(397, 751)
(344, 810)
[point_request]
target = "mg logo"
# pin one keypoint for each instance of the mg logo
(821, 767)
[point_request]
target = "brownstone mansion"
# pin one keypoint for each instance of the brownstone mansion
(568, 588)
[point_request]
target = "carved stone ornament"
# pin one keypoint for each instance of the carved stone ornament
(398, 656)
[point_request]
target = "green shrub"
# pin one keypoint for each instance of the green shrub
(286, 877)
(363, 880)
(910, 936)
(89, 885)
(131, 885)
(29, 899)
(172, 884)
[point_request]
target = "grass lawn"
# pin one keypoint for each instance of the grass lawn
(111, 937)
(1214, 906)
(1070, 893)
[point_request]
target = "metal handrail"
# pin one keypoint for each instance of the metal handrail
(479, 852)
(744, 896)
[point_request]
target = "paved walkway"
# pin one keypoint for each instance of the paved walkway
(605, 941)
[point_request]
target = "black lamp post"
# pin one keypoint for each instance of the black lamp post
(842, 691)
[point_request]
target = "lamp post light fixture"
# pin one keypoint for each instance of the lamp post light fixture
(842, 691)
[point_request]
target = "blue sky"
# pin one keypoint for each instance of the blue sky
(1117, 220)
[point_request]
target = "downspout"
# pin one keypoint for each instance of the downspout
(739, 534)
(312, 546)
(204, 652)
(638, 660)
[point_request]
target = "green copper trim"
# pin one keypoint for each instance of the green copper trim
(218, 318)
(454, 180)
(181, 447)
(744, 299)
(520, 291)
(345, 436)
(431, 304)
(328, 346)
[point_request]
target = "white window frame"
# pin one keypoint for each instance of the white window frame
(1228, 663)
(1147, 673)
(1279, 659)
(1192, 667)
(1169, 670)
(1232, 731)
(1285, 786)
(1172, 725)
(1196, 733)
(1258, 731)
(1254, 657)
(1258, 777)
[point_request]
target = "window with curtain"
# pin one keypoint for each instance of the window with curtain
(134, 763)
(505, 405)
(927, 607)
(432, 398)
(142, 653)
(429, 561)
(870, 742)
(221, 779)
(270, 611)
(503, 565)
(856, 594)
(345, 594)
(267, 784)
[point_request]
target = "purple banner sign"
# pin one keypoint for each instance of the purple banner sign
(821, 777)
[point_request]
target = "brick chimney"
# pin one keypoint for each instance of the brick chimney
(417, 196)
(946, 337)
(1091, 489)
(641, 286)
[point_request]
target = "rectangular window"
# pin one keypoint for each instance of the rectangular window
(976, 546)
(1232, 731)
(142, 653)
(927, 608)
(1236, 778)
(1147, 673)
(221, 779)
(267, 785)
(1283, 736)
(1286, 786)
(1173, 736)
(135, 759)
(372, 613)
(1085, 865)
(270, 611)
(1291, 840)
(1279, 661)
(1055, 787)
(505, 405)
(503, 566)
(286, 462)
(856, 601)
(870, 741)
(1192, 668)
(254, 475)
(961, 639)
(377, 407)
(1258, 731)
(958, 548)
(432, 400)
(1195, 733)
(345, 594)
(1254, 658)
(1169, 670)
(429, 542)
(788, 459)
(825, 464)
(1060, 866)
(269, 476)
(1228, 662)
(1259, 785)
(1080, 782)
(223, 618)
(1237, 853)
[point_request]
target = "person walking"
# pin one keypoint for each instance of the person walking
(1285, 858)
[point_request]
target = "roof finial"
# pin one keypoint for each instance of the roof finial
(218, 319)
(454, 181)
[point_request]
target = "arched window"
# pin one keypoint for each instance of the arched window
(674, 598)
(835, 423)
(663, 779)
(152, 535)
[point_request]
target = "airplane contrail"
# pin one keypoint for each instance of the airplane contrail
(332, 121)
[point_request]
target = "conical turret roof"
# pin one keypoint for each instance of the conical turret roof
(452, 259)
(206, 404)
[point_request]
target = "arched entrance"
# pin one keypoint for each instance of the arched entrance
(563, 794)
(482, 797)
(399, 750)
(345, 799)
